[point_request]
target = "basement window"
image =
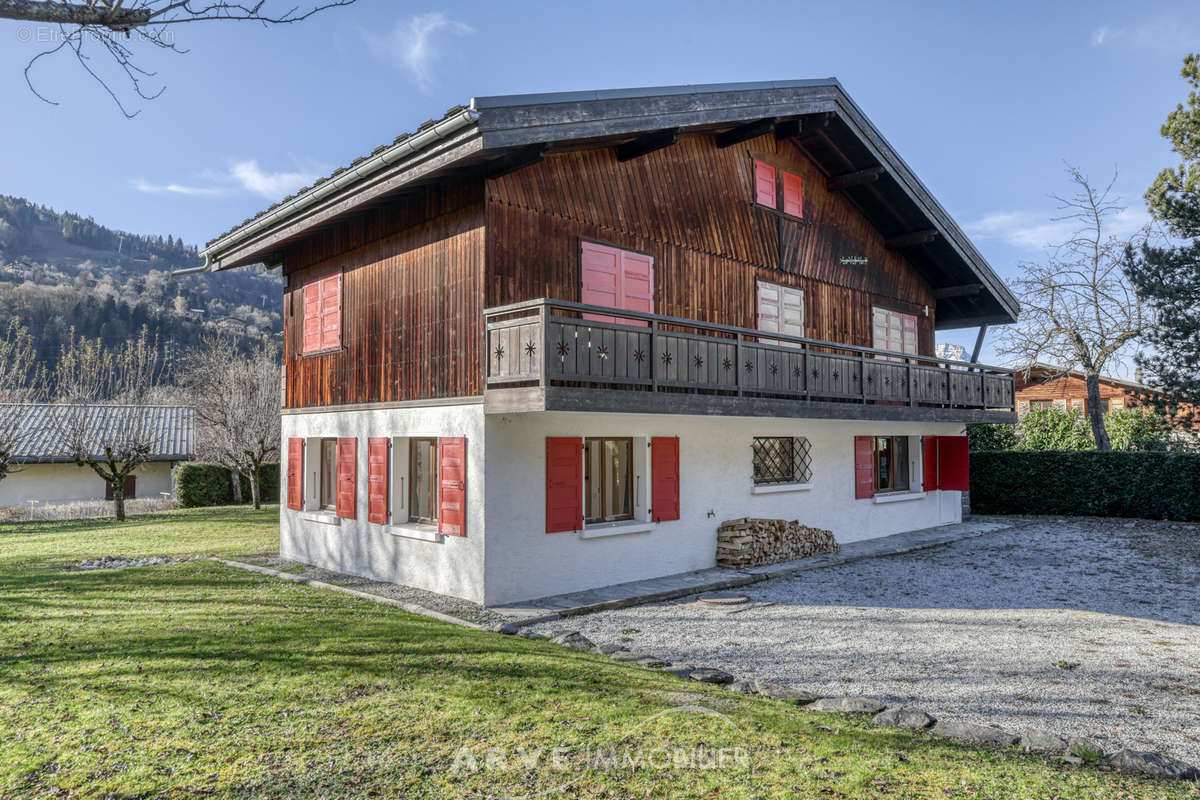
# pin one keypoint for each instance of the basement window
(780, 460)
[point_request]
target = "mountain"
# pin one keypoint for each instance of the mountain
(60, 270)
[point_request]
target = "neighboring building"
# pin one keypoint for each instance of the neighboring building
(551, 342)
(1048, 386)
(47, 474)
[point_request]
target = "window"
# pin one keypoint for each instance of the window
(894, 331)
(1114, 404)
(616, 278)
(322, 322)
(423, 480)
(781, 459)
(767, 184)
(1036, 404)
(608, 479)
(780, 309)
(891, 464)
(130, 488)
(328, 499)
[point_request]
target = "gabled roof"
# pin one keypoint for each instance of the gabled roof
(1043, 372)
(493, 135)
(172, 429)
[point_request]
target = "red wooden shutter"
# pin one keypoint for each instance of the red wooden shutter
(793, 197)
(764, 184)
(377, 479)
(954, 464)
(929, 458)
(295, 474)
(452, 485)
(347, 478)
(331, 311)
(312, 316)
(637, 284)
(664, 478)
(601, 284)
(864, 467)
(564, 484)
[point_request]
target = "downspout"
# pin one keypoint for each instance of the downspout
(374, 164)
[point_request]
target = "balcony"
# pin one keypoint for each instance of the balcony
(550, 355)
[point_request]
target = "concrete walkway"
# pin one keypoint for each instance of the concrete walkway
(718, 579)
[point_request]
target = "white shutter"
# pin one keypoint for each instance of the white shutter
(879, 329)
(1060, 404)
(791, 311)
(769, 316)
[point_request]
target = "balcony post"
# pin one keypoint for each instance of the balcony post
(737, 365)
(544, 322)
(652, 356)
(862, 376)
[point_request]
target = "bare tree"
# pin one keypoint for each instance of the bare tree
(99, 415)
(237, 401)
(1078, 310)
(115, 28)
(22, 380)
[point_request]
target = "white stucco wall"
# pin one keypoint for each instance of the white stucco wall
(450, 565)
(524, 562)
(64, 483)
(507, 555)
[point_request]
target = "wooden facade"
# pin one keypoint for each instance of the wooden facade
(412, 306)
(690, 207)
(419, 272)
(1047, 387)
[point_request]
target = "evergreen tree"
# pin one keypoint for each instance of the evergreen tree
(1168, 277)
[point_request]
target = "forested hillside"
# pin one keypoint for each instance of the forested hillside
(60, 271)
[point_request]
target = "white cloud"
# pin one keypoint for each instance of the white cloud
(271, 185)
(411, 44)
(1030, 230)
(240, 176)
(172, 188)
(1105, 34)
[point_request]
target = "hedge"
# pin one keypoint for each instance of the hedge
(198, 483)
(1153, 485)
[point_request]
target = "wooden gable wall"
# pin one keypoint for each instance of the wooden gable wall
(690, 206)
(412, 310)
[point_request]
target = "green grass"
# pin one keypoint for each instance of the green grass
(199, 679)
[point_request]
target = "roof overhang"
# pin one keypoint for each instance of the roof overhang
(496, 134)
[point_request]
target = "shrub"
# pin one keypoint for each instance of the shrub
(991, 436)
(268, 484)
(1054, 429)
(1138, 429)
(198, 483)
(1154, 485)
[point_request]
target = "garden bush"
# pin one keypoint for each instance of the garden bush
(1153, 485)
(198, 483)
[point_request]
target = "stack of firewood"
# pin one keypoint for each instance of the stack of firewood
(750, 542)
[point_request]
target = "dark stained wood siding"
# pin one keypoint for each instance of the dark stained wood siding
(690, 206)
(412, 303)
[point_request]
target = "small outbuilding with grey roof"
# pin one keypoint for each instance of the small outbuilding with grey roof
(45, 473)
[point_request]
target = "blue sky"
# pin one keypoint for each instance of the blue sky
(983, 100)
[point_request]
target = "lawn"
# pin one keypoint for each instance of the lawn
(195, 678)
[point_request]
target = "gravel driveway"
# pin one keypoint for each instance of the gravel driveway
(1077, 626)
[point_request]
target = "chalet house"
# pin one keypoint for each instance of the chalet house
(1048, 386)
(549, 342)
(47, 474)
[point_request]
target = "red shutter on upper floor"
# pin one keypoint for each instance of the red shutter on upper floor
(295, 474)
(793, 196)
(929, 459)
(452, 485)
(564, 484)
(864, 467)
(616, 278)
(331, 311)
(312, 316)
(637, 284)
(377, 479)
(347, 478)
(954, 464)
(664, 478)
(764, 184)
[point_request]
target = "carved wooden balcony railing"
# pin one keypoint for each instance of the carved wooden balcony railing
(554, 343)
